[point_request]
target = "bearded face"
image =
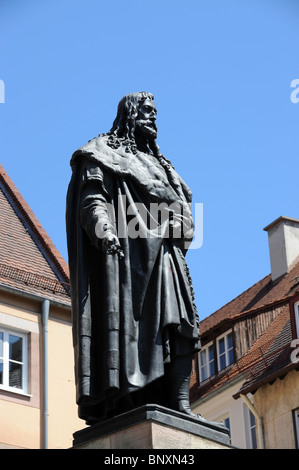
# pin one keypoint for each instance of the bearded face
(145, 125)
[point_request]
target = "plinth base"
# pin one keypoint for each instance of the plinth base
(152, 427)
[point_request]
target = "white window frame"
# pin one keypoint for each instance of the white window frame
(250, 429)
(208, 363)
(226, 420)
(226, 350)
(296, 313)
(5, 385)
(296, 426)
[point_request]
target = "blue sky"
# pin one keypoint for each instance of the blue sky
(221, 73)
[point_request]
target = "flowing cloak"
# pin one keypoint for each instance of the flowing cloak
(132, 314)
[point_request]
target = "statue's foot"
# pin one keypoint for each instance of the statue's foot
(184, 407)
(217, 423)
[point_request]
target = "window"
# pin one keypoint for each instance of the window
(226, 423)
(216, 355)
(224, 419)
(225, 350)
(296, 426)
(252, 430)
(13, 361)
(206, 362)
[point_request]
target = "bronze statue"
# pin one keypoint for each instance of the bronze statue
(129, 224)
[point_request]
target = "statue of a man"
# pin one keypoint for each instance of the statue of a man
(129, 223)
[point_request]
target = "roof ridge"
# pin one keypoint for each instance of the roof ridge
(254, 310)
(27, 215)
(235, 298)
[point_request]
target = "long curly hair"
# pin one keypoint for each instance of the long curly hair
(123, 129)
(122, 132)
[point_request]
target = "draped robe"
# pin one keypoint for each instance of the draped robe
(131, 315)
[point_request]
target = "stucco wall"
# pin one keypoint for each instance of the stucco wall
(275, 404)
(221, 405)
(63, 419)
(22, 414)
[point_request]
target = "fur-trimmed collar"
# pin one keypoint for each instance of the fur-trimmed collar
(157, 178)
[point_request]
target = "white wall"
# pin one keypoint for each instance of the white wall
(221, 405)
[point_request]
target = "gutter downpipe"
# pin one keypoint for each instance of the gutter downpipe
(45, 317)
(258, 420)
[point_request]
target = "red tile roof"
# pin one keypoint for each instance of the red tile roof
(269, 356)
(261, 295)
(268, 359)
(28, 258)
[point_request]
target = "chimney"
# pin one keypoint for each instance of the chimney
(283, 237)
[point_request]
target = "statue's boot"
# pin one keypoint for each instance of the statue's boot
(178, 381)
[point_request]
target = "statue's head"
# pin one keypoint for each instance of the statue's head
(136, 116)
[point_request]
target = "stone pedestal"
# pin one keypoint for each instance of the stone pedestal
(152, 427)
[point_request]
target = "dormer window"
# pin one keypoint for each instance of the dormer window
(216, 355)
(225, 350)
(206, 362)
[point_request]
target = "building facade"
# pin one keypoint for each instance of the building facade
(246, 373)
(37, 390)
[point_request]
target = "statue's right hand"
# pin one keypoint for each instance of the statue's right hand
(111, 245)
